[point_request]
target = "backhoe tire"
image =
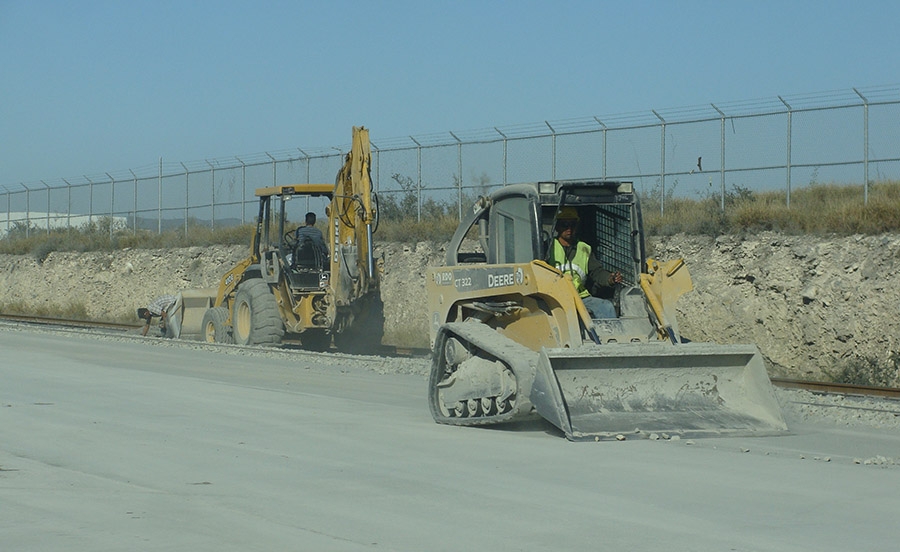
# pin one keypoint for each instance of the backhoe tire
(256, 319)
(214, 327)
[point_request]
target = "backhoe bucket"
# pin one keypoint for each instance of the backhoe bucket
(640, 389)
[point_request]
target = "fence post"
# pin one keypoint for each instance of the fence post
(243, 189)
(722, 154)
(48, 206)
(8, 212)
(602, 147)
(274, 170)
(159, 199)
(418, 179)
(662, 165)
(459, 184)
(505, 140)
(112, 201)
(788, 183)
(865, 147)
(68, 204)
(187, 197)
(27, 210)
(90, 200)
(306, 156)
(212, 177)
(134, 208)
(552, 151)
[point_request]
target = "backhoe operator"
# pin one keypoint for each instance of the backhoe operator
(574, 257)
(308, 236)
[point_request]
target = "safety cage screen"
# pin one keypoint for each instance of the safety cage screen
(614, 247)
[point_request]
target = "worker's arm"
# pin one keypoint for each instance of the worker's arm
(601, 282)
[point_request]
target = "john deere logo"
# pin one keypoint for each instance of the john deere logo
(502, 280)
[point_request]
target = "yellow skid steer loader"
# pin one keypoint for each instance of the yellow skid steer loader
(511, 334)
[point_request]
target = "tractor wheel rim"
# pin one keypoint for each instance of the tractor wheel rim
(243, 320)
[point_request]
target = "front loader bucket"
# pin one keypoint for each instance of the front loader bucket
(188, 311)
(640, 389)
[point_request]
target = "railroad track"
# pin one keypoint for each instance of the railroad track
(409, 352)
(118, 328)
(33, 320)
(837, 388)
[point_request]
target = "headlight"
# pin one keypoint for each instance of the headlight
(547, 187)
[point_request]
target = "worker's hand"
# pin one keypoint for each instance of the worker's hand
(615, 278)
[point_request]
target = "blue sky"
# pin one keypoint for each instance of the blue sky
(88, 87)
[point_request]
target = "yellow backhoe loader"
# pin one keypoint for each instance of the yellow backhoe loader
(284, 287)
(511, 336)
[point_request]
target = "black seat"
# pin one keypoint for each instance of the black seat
(308, 257)
(308, 262)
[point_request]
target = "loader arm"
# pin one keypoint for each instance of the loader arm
(663, 284)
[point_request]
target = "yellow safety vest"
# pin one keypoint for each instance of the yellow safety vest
(577, 267)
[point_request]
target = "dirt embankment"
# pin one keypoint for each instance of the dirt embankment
(809, 303)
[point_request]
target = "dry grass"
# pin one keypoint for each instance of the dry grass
(410, 231)
(824, 209)
(97, 237)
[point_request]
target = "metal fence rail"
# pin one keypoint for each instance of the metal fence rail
(782, 143)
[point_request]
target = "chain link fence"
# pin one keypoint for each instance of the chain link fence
(782, 143)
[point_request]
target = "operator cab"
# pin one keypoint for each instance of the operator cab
(516, 224)
(306, 267)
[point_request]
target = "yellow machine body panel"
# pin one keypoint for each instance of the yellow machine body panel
(533, 302)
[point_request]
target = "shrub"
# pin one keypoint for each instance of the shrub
(871, 371)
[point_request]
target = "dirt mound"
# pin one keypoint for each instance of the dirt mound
(809, 303)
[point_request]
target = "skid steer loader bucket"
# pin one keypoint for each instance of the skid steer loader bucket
(689, 389)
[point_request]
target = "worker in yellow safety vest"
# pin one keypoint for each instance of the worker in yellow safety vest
(573, 257)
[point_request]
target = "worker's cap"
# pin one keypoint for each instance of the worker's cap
(568, 213)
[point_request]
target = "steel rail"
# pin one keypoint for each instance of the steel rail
(837, 388)
(68, 322)
(287, 344)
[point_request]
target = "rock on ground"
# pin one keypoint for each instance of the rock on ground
(808, 302)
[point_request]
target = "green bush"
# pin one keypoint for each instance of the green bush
(72, 311)
(875, 372)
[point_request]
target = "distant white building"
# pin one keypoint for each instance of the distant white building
(38, 221)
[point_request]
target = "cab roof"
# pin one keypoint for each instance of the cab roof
(313, 190)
